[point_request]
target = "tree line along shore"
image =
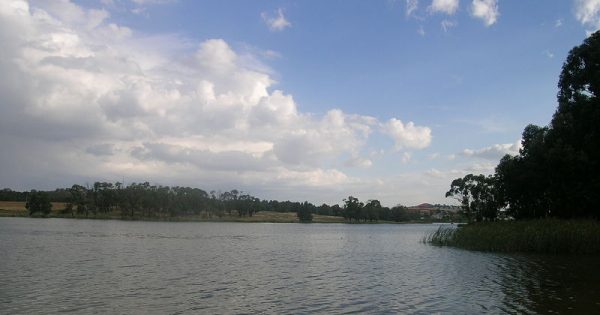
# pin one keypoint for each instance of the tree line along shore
(143, 201)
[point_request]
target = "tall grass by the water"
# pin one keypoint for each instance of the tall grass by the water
(549, 236)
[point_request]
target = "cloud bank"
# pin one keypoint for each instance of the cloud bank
(87, 99)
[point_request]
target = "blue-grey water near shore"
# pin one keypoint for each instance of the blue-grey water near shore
(52, 266)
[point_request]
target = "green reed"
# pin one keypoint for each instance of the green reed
(549, 236)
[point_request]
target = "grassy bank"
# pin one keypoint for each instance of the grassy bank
(548, 236)
(17, 209)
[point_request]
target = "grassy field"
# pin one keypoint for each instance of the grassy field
(17, 209)
(547, 236)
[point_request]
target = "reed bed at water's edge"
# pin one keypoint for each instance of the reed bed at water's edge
(547, 236)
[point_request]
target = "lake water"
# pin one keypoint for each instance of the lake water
(93, 266)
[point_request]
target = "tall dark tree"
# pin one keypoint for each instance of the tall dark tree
(478, 196)
(574, 135)
(304, 212)
(79, 199)
(373, 210)
(104, 196)
(523, 180)
(38, 201)
(353, 208)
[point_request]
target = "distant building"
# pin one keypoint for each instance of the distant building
(423, 209)
(436, 211)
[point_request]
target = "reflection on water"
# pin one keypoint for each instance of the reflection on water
(88, 266)
(551, 285)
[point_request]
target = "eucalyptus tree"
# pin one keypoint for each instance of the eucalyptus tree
(372, 210)
(304, 212)
(38, 201)
(574, 135)
(79, 198)
(352, 208)
(478, 196)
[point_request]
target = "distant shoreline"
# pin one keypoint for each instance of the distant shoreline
(285, 217)
(260, 217)
(17, 209)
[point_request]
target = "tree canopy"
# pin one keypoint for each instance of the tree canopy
(477, 195)
(38, 201)
(304, 213)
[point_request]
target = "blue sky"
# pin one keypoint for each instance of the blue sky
(299, 100)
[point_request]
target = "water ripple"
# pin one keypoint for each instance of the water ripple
(88, 266)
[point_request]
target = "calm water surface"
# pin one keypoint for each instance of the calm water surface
(89, 266)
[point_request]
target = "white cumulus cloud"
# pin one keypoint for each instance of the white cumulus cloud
(588, 13)
(408, 136)
(103, 102)
(444, 6)
(486, 10)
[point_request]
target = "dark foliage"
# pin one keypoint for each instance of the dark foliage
(8, 194)
(303, 212)
(478, 196)
(356, 211)
(38, 202)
